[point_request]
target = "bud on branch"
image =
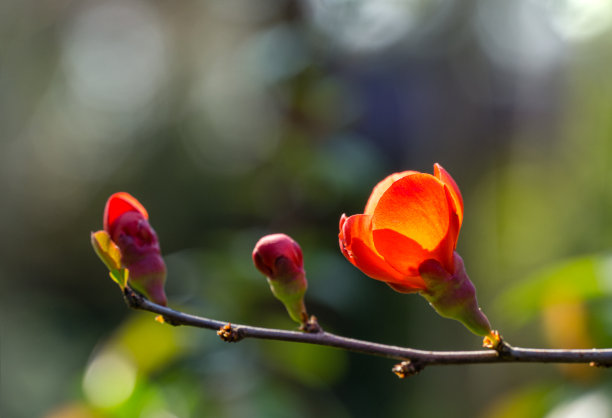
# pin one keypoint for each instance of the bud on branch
(280, 259)
(129, 247)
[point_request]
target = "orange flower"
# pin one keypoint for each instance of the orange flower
(409, 218)
(407, 237)
(128, 232)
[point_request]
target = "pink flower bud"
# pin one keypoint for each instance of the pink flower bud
(279, 258)
(126, 222)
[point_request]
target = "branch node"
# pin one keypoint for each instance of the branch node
(600, 364)
(229, 334)
(164, 319)
(408, 368)
(503, 352)
(494, 341)
(311, 325)
(132, 299)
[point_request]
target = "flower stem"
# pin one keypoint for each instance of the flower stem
(593, 357)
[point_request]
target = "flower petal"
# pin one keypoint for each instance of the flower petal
(382, 187)
(415, 206)
(341, 239)
(118, 204)
(402, 254)
(446, 178)
(357, 246)
(278, 256)
(448, 244)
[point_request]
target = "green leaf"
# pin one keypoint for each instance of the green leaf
(585, 278)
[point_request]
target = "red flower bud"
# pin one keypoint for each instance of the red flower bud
(126, 222)
(407, 236)
(279, 258)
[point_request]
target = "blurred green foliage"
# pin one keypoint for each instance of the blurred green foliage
(230, 119)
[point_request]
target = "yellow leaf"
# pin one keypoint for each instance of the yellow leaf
(110, 255)
(106, 249)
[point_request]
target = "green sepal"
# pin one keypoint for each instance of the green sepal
(120, 277)
(291, 294)
(454, 296)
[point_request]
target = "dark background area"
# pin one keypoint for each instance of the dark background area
(232, 119)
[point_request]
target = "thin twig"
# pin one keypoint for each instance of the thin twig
(414, 360)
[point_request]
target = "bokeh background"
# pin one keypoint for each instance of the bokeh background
(230, 119)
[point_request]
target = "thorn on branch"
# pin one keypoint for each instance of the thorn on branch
(229, 334)
(407, 368)
(311, 325)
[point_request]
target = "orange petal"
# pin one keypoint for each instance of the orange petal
(444, 252)
(357, 246)
(118, 204)
(402, 254)
(382, 187)
(446, 178)
(405, 255)
(415, 206)
(447, 246)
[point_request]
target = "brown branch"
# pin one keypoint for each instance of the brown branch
(413, 360)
